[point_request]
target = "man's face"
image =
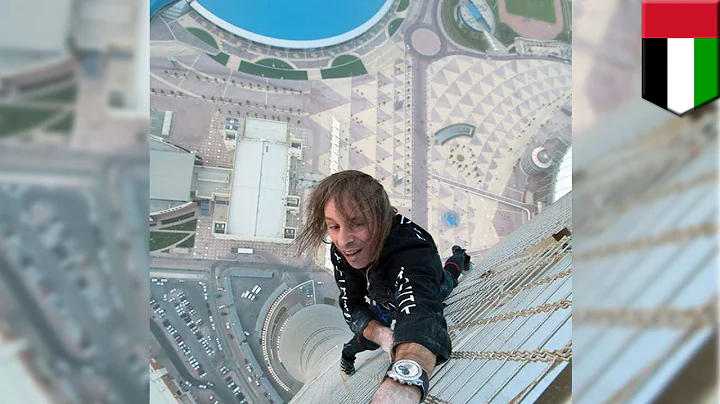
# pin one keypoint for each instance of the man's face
(350, 238)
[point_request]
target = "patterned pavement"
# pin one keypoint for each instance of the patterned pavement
(507, 101)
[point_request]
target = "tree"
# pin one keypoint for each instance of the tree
(162, 91)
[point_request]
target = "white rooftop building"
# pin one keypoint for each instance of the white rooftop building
(260, 184)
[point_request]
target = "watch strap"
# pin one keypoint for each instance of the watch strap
(424, 385)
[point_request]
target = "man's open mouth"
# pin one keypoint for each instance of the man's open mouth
(351, 253)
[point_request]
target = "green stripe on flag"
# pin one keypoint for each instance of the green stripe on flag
(706, 70)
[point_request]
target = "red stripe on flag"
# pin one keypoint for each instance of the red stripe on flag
(680, 18)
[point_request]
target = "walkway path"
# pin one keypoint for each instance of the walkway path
(498, 198)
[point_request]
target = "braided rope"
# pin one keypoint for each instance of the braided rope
(673, 236)
(664, 317)
(544, 308)
(539, 355)
(654, 195)
(430, 399)
(519, 289)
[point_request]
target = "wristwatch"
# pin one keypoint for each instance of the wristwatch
(406, 371)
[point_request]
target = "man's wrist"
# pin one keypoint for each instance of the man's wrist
(391, 391)
(376, 332)
(418, 353)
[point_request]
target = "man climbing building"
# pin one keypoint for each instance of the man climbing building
(382, 255)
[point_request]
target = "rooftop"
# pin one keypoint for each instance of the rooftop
(171, 175)
(258, 189)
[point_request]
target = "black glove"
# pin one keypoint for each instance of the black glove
(464, 258)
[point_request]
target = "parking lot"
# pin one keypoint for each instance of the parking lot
(180, 307)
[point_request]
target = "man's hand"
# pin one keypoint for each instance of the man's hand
(392, 392)
(380, 335)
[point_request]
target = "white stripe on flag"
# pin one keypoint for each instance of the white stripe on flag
(681, 74)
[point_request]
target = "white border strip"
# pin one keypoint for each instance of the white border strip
(286, 43)
(680, 74)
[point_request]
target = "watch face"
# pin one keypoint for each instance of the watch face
(407, 370)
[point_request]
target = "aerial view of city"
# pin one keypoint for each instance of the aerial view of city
(462, 109)
(156, 162)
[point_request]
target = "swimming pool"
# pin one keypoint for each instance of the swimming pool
(298, 24)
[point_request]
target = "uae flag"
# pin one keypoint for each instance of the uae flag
(680, 53)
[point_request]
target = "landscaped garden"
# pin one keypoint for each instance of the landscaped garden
(344, 66)
(275, 63)
(160, 240)
(15, 119)
(221, 58)
(188, 226)
(271, 72)
(204, 36)
(394, 25)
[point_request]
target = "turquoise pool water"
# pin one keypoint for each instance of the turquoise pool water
(295, 20)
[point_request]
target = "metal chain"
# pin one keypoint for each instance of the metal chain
(544, 308)
(556, 355)
(519, 289)
(673, 236)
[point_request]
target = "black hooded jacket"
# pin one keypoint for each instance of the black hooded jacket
(407, 277)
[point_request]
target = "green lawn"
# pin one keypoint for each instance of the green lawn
(394, 25)
(276, 63)
(161, 240)
(351, 69)
(204, 36)
(189, 243)
(273, 73)
(542, 10)
(14, 119)
(457, 29)
(190, 226)
(343, 60)
(221, 58)
(65, 95)
(64, 125)
(403, 5)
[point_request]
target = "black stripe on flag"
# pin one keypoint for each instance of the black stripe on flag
(655, 70)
